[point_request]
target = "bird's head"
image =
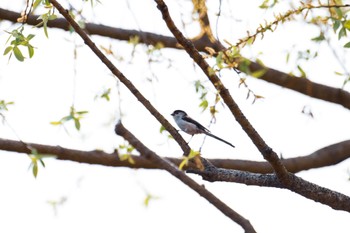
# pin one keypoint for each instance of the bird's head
(178, 114)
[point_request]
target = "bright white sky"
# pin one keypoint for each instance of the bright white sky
(104, 199)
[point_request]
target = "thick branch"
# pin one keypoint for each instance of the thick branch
(301, 85)
(201, 190)
(309, 190)
(327, 156)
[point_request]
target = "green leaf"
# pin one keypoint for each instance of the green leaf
(35, 169)
(347, 45)
(8, 49)
(258, 73)
(30, 36)
(36, 4)
(339, 13)
(302, 72)
(339, 73)
(42, 162)
(188, 158)
(77, 123)
(219, 60)
(336, 25)
(147, 199)
(45, 30)
(183, 163)
(287, 57)
(342, 33)
(52, 17)
(347, 24)
(204, 104)
(82, 112)
(30, 51)
(18, 53)
(56, 123)
(162, 129)
(106, 94)
(319, 38)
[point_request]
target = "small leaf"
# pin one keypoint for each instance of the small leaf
(131, 160)
(30, 51)
(303, 74)
(77, 123)
(162, 129)
(36, 4)
(211, 71)
(8, 49)
(183, 163)
(347, 45)
(18, 53)
(56, 123)
(146, 201)
(258, 73)
(339, 12)
(339, 73)
(347, 24)
(204, 104)
(52, 17)
(287, 57)
(336, 25)
(42, 162)
(35, 169)
(342, 33)
(319, 38)
(30, 36)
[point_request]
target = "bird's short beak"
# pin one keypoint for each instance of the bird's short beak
(172, 114)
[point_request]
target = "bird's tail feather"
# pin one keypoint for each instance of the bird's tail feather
(220, 139)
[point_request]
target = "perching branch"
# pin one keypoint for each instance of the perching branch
(301, 85)
(201, 190)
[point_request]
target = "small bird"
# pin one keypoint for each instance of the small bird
(190, 126)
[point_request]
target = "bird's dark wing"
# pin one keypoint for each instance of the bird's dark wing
(201, 127)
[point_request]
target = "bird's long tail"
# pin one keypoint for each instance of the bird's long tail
(220, 139)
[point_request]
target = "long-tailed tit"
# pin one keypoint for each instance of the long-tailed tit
(190, 126)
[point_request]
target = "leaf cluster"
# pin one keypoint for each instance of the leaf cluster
(73, 115)
(19, 39)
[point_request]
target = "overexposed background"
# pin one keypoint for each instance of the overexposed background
(104, 199)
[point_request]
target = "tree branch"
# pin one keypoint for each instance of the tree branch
(307, 189)
(301, 85)
(201, 190)
(327, 156)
